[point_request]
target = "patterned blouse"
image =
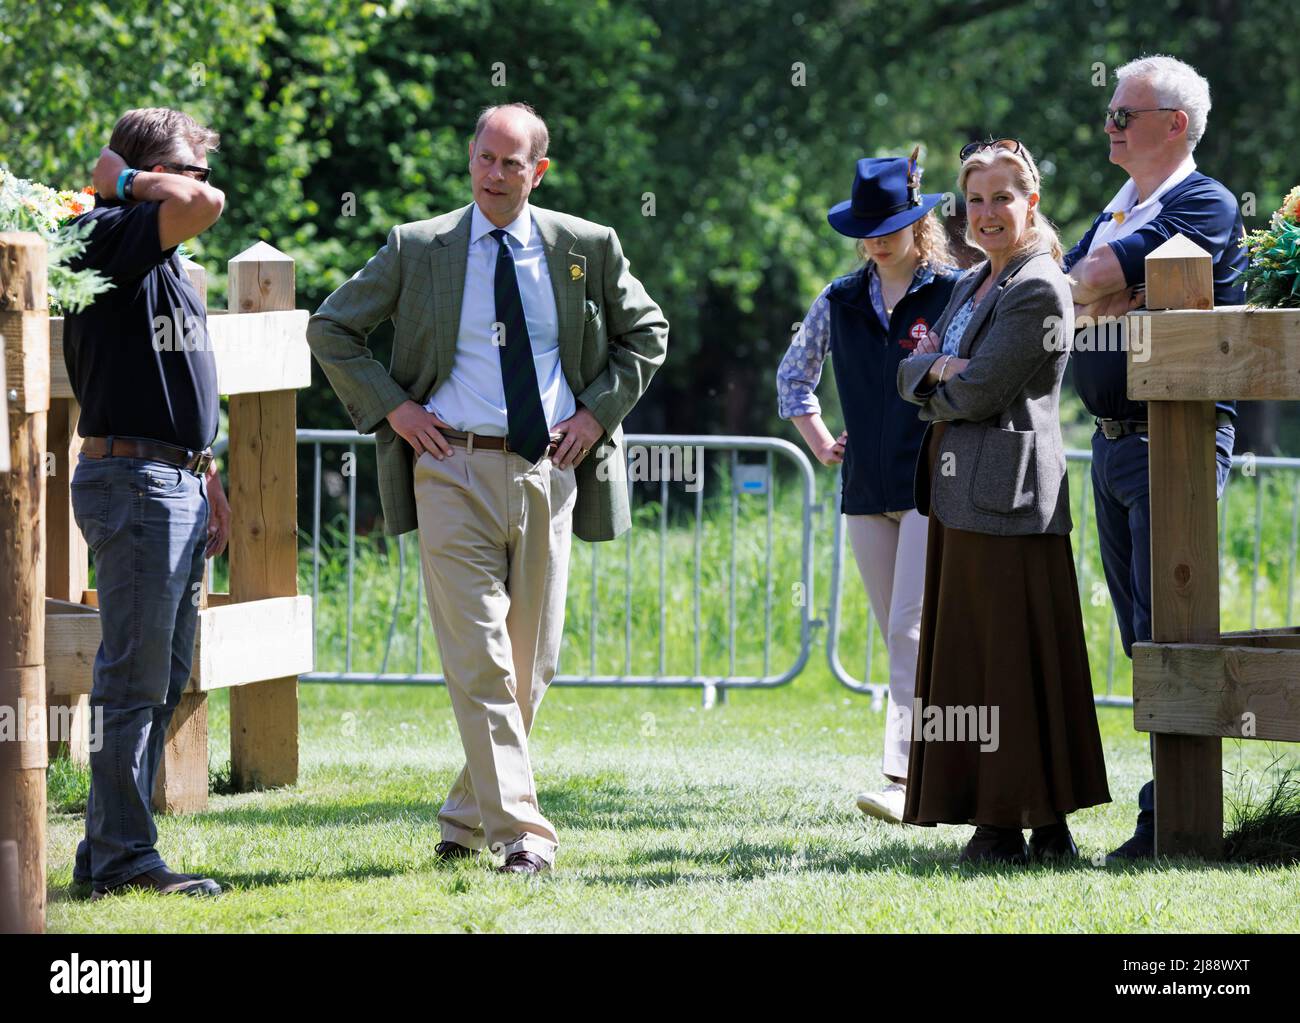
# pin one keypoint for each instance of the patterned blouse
(801, 368)
(957, 327)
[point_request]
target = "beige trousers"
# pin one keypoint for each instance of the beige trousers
(495, 534)
(890, 552)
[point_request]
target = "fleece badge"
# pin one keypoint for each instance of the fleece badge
(915, 334)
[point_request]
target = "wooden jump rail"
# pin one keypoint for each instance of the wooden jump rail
(1192, 685)
(255, 640)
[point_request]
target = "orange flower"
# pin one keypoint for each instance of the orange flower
(1291, 206)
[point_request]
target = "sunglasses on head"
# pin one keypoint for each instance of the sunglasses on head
(203, 172)
(971, 148)
(1013, 146)
(1122, 115)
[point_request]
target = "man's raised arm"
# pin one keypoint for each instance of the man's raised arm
(188, 207)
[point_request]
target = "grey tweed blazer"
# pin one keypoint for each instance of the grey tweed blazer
(612, 338)
(1000, 467)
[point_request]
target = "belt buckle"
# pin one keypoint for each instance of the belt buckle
(202, 464)
(1110, 429)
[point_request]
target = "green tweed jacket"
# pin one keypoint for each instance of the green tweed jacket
(612, 338)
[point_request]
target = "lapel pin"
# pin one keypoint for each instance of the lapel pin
(575, 272)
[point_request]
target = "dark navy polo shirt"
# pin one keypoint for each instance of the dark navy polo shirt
(1207, 213)
(134, 374)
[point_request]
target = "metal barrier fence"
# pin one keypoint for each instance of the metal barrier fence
(745, 480)
(1083, 537)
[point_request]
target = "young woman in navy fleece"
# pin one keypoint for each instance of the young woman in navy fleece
(867, 321)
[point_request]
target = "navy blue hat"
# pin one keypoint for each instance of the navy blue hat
(886, 198)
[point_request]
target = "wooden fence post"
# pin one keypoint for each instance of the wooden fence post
(182, 782)
(263, 472)
(1184, 563)
(25, 327)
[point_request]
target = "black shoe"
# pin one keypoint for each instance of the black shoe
(1142, 846)
(453, 851)
(1052, 842)
(163, 881)
(995, 845)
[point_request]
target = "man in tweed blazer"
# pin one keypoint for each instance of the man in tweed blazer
(462, 422)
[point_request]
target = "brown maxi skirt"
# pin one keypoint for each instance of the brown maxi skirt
(1001, 627)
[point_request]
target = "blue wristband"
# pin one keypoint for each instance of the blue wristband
(126, 184)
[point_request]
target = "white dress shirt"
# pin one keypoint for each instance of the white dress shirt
(1127, 214)
(473, 398)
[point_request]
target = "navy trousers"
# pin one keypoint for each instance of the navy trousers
(1121, 495)
(146, 523)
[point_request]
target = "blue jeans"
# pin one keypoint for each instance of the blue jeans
(1120, 481)
(146, 524)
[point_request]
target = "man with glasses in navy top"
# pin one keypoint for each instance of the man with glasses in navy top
(1156, 117)
(146, 494)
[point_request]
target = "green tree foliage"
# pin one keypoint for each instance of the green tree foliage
(735, 125)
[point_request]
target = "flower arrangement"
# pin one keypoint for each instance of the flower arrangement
(30, 206)
(1272, 277)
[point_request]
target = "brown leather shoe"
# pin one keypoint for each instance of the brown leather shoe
(163, 881)
(453, 851)
(524, 862)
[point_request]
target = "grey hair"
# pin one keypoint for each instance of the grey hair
(539, 136)
(1176, 84)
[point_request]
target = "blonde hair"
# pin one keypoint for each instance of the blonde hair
(931, 242)
(1039, 231)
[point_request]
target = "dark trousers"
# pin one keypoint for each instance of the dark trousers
(146, 523)
(1121, 495)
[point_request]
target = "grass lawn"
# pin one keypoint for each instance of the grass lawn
(674, 818)
(671, 818)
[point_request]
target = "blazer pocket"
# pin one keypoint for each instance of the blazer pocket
(1006, 472)
(593, 327)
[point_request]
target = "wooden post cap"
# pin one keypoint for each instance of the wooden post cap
(1180, 275)
(261, 280)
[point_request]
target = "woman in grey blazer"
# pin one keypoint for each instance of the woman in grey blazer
(1004, 707)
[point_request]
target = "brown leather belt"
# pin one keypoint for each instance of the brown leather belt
(478, 440)
(196, 462)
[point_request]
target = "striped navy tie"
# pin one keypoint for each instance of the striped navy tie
(526, 428)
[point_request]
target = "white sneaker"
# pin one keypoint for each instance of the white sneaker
(887, 804)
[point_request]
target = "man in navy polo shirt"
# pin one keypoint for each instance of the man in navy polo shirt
(145, 494)
(1156, 117)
